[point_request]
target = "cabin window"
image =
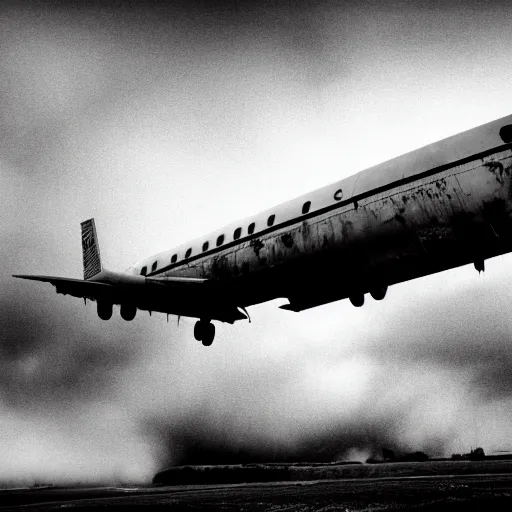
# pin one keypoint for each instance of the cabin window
(220, 240)
(143, 271)
(153, 267)
(305, 207)
(250, 230)
(270, 221)
(174, 258)
(205, 246)
(237, 233)
(188, 253)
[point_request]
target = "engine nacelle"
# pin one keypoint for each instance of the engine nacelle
(128, 312)
(379, 293)
(104, 310)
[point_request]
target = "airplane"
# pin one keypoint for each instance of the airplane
(444, 205)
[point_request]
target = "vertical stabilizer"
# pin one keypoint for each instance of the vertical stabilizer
(90, 249)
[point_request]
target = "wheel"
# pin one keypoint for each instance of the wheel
(198, 330)
(128, 312)
(104, 310)
(357, 299)
(379, 293)
(208, 334)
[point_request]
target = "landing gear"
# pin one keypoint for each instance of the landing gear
(104, 310)
(379, 293)
(204, 331)
(357, 299)
(128, 312)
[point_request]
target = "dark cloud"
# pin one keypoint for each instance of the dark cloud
(49, 359)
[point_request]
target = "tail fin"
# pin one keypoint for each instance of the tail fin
(90, 249)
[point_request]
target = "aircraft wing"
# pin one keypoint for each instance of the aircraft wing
(187, 296)
(76, 287)
(96, 289)
(175, 295)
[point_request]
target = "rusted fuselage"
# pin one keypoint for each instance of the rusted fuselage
(435, 208)
(449, 218)
(438, 207)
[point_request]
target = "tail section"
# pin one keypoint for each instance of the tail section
(90, 249)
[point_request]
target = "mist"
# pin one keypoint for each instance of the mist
(164, 123)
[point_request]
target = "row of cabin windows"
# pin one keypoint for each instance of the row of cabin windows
(220, 239)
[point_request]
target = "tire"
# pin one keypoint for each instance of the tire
(198, 330)
(208, 334)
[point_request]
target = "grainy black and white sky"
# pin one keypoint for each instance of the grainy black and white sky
(166, 122)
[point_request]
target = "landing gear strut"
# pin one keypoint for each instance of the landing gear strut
(104, 310)
(204, 331)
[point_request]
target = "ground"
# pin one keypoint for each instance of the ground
(426, 486)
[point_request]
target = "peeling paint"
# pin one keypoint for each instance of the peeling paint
(346, 227)
(497, 169)
(287, 240)
(419, 220)
(257, 245)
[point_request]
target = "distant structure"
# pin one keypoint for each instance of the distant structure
(389, 456)
(476, 454)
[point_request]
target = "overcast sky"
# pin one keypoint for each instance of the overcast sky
(165, 124)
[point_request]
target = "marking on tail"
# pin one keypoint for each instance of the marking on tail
(90, 249)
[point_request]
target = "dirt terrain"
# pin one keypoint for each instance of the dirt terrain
(244, 473)
(424, 493)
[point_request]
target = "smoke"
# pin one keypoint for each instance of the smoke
(164, 123)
